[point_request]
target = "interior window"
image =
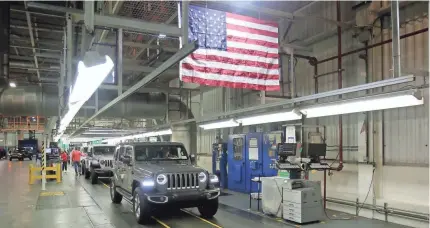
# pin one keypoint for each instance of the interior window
(128, 151)
(238, 148)
(121, 153)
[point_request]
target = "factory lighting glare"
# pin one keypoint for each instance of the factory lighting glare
(380, 102)
(91, 73)
(12, 84)
(220, 124)
(162, 36)
(270, 118)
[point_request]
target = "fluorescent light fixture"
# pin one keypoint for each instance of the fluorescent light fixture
(270, 118)
(220, 124)
(12, 84)
(372, 103)
(92, 71)
(141, 135)
(162, 36)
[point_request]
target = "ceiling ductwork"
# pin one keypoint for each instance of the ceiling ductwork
(33, 100)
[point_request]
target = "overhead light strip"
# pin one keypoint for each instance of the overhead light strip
(356, 105)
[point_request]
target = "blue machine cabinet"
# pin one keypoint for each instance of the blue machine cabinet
(251, 156)
(270, 152)
(219, 162)
(237, 157)
(254, 164)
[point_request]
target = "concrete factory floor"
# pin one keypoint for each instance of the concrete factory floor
(77, 203)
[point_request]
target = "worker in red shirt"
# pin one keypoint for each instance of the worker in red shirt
(76, 159)
(64, 161)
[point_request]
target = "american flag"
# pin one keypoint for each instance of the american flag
(234, 51)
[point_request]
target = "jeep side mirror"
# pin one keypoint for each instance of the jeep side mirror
(193, 159)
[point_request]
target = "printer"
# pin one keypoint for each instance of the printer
(302, 201)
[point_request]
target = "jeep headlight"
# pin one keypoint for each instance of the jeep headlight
(148, 182)
(214, 179)
(102, 162)
(161, 179)
(202, 177)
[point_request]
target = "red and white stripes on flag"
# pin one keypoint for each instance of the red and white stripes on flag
(234, 51)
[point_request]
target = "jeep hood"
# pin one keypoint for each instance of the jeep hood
(145, 169)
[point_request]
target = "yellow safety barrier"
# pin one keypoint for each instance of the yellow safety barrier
(35, 173)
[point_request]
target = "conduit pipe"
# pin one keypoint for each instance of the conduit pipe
(373, 45)
(339, 81)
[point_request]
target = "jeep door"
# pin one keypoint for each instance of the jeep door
(116, 165)
(129, 152)
(120, 168)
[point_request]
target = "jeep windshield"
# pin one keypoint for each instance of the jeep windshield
(104, 150)
(160, 152)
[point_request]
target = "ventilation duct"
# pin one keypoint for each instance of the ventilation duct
(4, 42)
(33, 100)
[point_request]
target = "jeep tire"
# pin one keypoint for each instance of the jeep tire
(141, 207)
(114, 195)
(94, 176)
(86, 172)
(208, 208)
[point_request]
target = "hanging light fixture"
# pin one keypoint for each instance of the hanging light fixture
(220, 124)
(270, 118)
(372, 103)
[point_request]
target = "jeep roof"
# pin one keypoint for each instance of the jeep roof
(151, 144)
(99, 145)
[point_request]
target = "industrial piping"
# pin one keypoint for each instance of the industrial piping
(339, 81)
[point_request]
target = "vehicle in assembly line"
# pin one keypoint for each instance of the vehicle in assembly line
(20, 154)
(98, 163)
(156, 175)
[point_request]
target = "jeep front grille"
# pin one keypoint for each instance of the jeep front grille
(107, 163)
(177, 181)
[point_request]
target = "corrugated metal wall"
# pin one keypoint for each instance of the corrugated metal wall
(406, 129)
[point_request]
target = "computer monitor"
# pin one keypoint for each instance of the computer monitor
(287, 149)
(317, 150)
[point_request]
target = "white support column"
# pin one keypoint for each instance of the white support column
(69, 59)
(119, 66)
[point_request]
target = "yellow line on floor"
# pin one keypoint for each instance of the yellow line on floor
(107, 186)
(160, 222)
(204, 220)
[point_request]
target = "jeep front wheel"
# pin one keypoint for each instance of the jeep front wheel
(94, 176)
(141, 207)
(86, 172)
(114, 195)
(208, 208)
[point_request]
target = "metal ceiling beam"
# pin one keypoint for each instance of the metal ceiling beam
(148, 45)
(168, 21)
(15, 9)
(114, 10)
(184, 52)
(33, 45)
(34, 48)
(146, 69)
(115, 21)
(30, 58)
(286, 15)
(89, 16)
(36, 29)
(150, 89)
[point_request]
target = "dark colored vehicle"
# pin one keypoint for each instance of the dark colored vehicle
(156, 175)
(20, 154)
